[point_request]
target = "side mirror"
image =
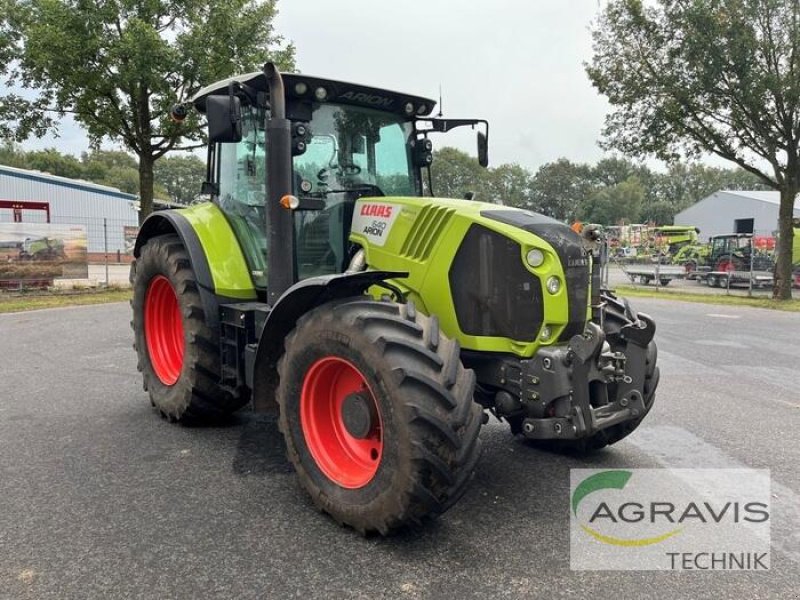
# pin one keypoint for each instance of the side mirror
(483, 150)
(224, 115)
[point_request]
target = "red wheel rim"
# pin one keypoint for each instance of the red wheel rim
(163, 330)
(348, 461)
(725, 266)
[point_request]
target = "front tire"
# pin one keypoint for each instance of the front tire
(377, 413)
(178, 352)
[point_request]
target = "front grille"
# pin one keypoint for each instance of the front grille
(494, 294)
(574, 261)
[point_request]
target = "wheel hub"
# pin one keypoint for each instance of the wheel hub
(357, 415)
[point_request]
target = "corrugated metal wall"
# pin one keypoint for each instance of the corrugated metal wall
(71, 202)
(716, 214)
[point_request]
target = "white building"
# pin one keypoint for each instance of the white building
(731, 211)
(104, 211)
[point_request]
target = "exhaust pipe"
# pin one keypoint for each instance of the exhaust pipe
(281, 267)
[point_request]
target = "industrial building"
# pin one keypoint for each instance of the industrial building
(35, 197)
(732, 211)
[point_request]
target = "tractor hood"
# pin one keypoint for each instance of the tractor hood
(468, 263)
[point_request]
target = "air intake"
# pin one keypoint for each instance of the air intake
(430, 223)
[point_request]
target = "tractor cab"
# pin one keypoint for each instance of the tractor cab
(346, 141)
(736, 252)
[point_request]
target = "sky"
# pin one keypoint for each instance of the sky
(517, 63)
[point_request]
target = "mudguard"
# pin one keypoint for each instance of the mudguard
(261, 367)
(184, 223)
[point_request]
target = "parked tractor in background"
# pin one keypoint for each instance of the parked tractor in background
(380, 323)
(730, 260)
(737, 252)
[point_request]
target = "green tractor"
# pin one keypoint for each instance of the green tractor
(691, 256)
(381, 323)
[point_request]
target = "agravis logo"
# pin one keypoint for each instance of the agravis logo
(669, 519)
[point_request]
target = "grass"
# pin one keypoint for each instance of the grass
(758, 302)
(14, 302)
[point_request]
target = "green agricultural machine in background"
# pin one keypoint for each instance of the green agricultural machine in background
(672, 238)
(380, 322)
(42, 250)
(692, 256)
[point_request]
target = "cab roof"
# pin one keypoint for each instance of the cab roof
(304, 87)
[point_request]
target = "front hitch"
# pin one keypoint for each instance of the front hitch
(578, 390)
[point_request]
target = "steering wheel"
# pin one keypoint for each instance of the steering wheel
(350, 169)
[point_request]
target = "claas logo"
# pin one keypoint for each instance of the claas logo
(376, 210)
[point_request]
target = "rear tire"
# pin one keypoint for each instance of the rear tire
(178, 352)
(421, 435)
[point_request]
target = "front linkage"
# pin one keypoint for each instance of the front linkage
(595, 389)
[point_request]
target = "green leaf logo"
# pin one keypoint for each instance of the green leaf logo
(616, 480)
(599, 481)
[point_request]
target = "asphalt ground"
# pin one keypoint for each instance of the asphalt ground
(101, 498)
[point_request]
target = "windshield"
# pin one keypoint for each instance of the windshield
(353, 148)
(351, 152)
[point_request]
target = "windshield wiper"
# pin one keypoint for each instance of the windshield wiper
(363, 187)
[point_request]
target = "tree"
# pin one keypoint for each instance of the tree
(118, 66)
(99, 162)
(455, 173)
(509, 183)
(615, 204)
(181, 177)
(658, 212)
(115, 168)
(52, 161)
(614, 170)
(12, 155)
(560, 188)
(722, 76)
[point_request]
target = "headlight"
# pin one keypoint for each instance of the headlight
(535, 257)
(553, 284)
